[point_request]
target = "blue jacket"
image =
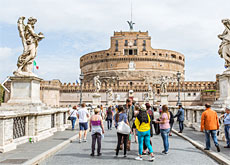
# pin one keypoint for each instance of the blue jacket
(180, 115)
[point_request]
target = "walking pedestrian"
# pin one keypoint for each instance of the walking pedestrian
(129, 109)
(83, 115)
(142, 123)
(109, 117)
(180, 118)
(156, 116)
(73, 116)
(97, 129)
(226, 117)
(150, 112)
(171, 122)
(164, 127)
(136, 112)
(121, 116)
(210, 123)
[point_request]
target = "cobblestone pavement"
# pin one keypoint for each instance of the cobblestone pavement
(200, 138)
(180, 152)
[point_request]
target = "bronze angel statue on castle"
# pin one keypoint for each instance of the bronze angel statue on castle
(30, 44)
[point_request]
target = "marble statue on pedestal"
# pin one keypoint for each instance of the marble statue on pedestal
(97, 83)
(224, 48)
(30, 44)
(163, 84)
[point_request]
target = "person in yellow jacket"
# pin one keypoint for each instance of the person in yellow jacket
(210, 123)
(142, 123)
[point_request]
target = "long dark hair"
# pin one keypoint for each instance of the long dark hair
(109, 112)
(143, 117)
(120, 109)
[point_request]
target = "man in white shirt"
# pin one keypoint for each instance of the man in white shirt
(83, 115)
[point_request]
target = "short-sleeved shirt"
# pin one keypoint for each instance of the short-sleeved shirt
(73, 113)
(166, 124)
(122, 117)
(226, 118)
(83, 112)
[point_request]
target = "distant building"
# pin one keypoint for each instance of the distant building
(129, 67)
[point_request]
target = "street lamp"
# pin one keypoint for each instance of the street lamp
(178, 79)
(81, 78)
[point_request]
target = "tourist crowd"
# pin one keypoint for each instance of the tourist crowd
(139, 121)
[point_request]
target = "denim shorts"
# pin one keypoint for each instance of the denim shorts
(83, 126)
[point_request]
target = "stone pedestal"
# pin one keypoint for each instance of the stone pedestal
(96, 99)
(164, 99)
(224, 98)
(25, 90)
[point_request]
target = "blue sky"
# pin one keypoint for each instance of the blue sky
(73, 28)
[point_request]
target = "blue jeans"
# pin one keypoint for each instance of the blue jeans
(165, 136)
(226, 130)
(207, 138)
(181, 125)
(144, 136)
(73, 120)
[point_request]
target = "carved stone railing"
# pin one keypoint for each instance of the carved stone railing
(193, 118)
(17, 127)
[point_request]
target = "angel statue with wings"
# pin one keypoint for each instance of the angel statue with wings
(30, 44)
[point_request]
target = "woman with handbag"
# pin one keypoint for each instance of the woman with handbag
(109, 117)
(97, 129)
(165, 127)
(142, 123)
(122, 124)
(73, 116)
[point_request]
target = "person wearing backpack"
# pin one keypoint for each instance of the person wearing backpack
(142, 123)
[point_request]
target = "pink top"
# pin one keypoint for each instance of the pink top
(166, 124)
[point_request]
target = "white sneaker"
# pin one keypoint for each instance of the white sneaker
(152, 158)
(80, 141)
(139, 158)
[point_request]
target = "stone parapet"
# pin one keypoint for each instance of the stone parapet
(21, 124)
(193, 117)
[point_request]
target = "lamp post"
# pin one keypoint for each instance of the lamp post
(81, 78)
(178, 79)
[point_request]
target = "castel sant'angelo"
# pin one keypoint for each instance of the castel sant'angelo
(131, 68)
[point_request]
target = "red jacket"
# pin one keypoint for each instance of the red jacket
(209, 120)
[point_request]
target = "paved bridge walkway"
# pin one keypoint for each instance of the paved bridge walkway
(181, 152)
(58, 150)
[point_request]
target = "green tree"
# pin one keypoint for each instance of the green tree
(1, 94)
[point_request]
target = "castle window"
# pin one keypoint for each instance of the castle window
(131, 83)
(130, 52)
(154, 54)
(173, 55)
(194, 94)
(158, 91)
(116, 44)
(126, 51)
(107, 54)
(146, 54)
(114, 54)
(91, 57)
(189, 94)
(160, 54)
(166, 55)
(135, 43)
(126, 42)
(81, 60)
(135, 51)
(95, 56)
(180, 57)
